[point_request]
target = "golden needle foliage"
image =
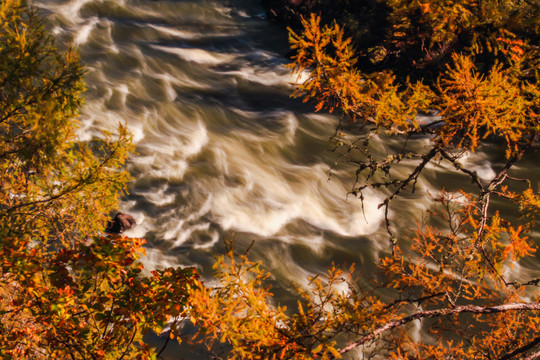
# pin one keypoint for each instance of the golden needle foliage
(454, 276)
(69, 292)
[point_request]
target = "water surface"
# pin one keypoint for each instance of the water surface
(222, 150)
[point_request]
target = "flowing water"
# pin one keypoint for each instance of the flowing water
(222, 150)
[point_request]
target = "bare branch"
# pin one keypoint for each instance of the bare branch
(534, 356)
(522, 349)
(439, 313)
(411, 301)
(534, 282)
(453, 160)
(495, 183)
(167, 340)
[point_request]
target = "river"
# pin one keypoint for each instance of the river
(222, 151)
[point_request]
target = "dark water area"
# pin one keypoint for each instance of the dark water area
(222, 151)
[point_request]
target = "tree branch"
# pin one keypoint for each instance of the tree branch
(417, 301)
(439, 313)
(534, 282)
(474, 177)
(72, 188)
(167, 340)
(534, 356)
(496, 182)
(413, 177)
(522, 349)
(129, 343)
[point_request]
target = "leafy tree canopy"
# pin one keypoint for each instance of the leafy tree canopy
(66, 292)
(442, 79)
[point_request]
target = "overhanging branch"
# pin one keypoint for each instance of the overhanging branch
(439, 313)
(522, 349)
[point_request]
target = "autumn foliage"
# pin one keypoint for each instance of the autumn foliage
(444, 80)
(67, 291)
(447, 80)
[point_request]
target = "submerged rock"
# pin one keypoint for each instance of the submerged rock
(120, 223)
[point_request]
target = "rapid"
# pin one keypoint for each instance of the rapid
(222, 151)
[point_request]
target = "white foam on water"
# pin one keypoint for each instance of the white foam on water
(180, 230)
(198, 139)
(195, 138)
(185, 235)
(199, 56)
(123, 91)
(57, 30)
(68, 10)
(82, 34)
(262, 76)
(479, 163)
(320, 126)
(181, 225)
(417, 333)
(221, 162)
(243, 13)
(178, 34)
(273, 193)
(137, 132)
(315, 242)
(143, 223)
(268, 199)
(159, 168)
(172, 232)
(155, 259)
(292, 126)
(113, 49)
(171, 94)
(214, 238)
(158, 196)
(287, 118)
(254, 69)
(170, 149)
(284, 266)
(94, 114)
(178, 79)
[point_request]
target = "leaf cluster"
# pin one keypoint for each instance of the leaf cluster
(442, 282)
(66, 291)
(473, 84)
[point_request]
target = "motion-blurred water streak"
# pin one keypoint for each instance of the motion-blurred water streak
(221, 147)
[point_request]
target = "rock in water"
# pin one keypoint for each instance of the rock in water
(120, 223)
